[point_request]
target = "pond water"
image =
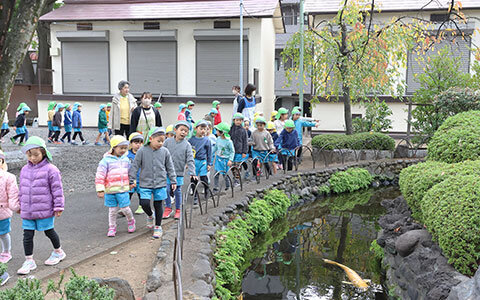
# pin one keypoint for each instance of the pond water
(286, 262)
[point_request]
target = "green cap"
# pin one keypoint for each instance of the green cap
(281, 111)
(238, 116)
(51, 105)
(67, 105)
(152, 131)
(109, 104)
(36, 142)
(260, 120)
(296, 112)
(19, 108)
(157, 104)
(223, 127)
(289, 124)
(190, 103)
(215, 103)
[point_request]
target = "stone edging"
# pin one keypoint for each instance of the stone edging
(305, 185)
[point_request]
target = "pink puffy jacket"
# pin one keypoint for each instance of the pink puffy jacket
(8, 195)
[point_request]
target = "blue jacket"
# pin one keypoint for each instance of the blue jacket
(299, 124)
(202, 149)
(287, 140)
(68, 118)
(131, 157)
(77, 119)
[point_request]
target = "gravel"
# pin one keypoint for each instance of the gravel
(77, 164)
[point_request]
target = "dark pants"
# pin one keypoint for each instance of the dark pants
(56, 135)
(157, 206)
(66, 135)
(28, 240)
(4, 132)
(79, 133)
(21, 136)
(124, 130)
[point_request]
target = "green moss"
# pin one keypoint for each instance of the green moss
(350, 180)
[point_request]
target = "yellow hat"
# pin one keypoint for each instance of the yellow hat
(118, 140)
(135, 136)
(273, 114)
(170, 129)
(270, 125)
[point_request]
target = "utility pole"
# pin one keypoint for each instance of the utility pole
(241, 46)
(302, 21)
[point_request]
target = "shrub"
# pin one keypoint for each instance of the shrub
(359, 141)
(451, 212)
(456, 100)
(259, 216)
(458, 139)
(375, 119)
(350, 180)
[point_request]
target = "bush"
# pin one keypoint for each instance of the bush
(375, 119)
(451, 212)
(358, 141)
(458, 139)
(456, 100)
(350, 180)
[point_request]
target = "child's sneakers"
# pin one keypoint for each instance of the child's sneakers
(177, 214)
(157, 232)
(150, 222)
(5, 257)
(84, 143)
(98, 144)
(55, 258)
(74, 143)
(167, 212)
(131, 226)
(28, 265)
(112, 230)
(4, 278)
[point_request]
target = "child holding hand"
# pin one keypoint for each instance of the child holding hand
(224, 154)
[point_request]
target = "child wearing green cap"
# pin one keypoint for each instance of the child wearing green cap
(20, 126)
(102, 125)
(224, 152)
(262, 144)
(155, 164)
(218, 116)
(77, 124)
(50, 113)
(57, 122)
(239, 138)
(287, 143)
(188, 112)
(41, 201)
(202, 153)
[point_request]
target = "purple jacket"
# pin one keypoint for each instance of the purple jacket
(41, 191)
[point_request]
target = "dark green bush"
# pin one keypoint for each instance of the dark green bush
(451, 212)
(458, 139)
(456, 100)
(358, 141)
(350, 180)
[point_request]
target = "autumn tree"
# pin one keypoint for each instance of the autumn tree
(18, 20)
(356, 55)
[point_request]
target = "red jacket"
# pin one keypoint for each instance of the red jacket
(218, 119)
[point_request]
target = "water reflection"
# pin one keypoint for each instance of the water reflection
(338, 228)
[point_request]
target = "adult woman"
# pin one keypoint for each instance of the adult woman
(145, 116)
(123, 104)
(247, 104)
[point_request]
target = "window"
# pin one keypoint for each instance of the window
(84, 26)
(290, 14)
(438, 17)
(221, 24)
(459, 48)
(151, 26)
(85, 68)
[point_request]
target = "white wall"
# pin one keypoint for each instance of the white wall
(261, 56)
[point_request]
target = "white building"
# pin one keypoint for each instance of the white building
(331, 113)
(183, 50)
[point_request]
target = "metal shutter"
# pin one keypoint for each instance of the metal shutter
(152, 66)
(460, 48)
(85, 68)
(218, 66)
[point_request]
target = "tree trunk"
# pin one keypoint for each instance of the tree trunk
(43, 33)
(16, 39)
(347, 107)
(27, 71)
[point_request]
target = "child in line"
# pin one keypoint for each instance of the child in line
(8, 204)
(238, 97)
(274, 134)
(239, 138)
(20, 125)
(67, 123)
(107, 112)
(19, 111)
(41, 201)
(182, 155)
(224, 152)
(218, 116)
(262, 144)
(157, 106)
(57, 123)
(299, 124)
(210, 117)
(210, 135)
(287, 142)
(188, 112)
(202, 153)
(112, 184)
(156, 165)
(282, 116)
(170, 131)
(102, 125)
(136, 142)
(77, 124)
(273, 116)
(5, 127)
(181, 112)
(50, 113)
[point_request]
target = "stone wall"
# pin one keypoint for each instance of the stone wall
(304, 185)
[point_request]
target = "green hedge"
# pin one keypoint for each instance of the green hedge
(359, 141)
(457, 140)
(234, 241)
(456, 100)
(350, 180)
(451, 211)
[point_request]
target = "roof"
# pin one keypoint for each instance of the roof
(116, 10)
(332, 6)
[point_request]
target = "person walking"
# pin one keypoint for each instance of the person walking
(123, 103)
(145, 116)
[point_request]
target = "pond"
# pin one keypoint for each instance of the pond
(286, 262)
